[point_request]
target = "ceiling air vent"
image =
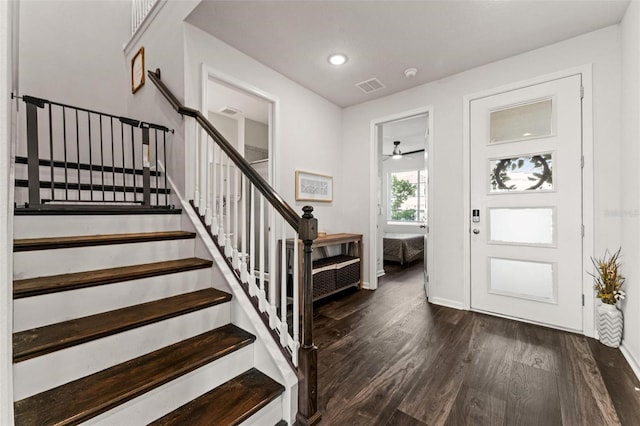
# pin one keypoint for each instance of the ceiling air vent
(230, 111)
(371, 85)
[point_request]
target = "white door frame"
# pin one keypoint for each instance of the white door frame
(373, 189)
(588, 325)
(209, 73)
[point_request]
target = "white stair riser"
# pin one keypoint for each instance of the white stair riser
(166, 398)
(40, 263)
(47, 371)
(70, 225)
(271, 414)
(37, 311)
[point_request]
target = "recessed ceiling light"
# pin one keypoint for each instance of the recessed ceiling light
(337, 59)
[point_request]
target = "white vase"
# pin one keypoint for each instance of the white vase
(609, 325)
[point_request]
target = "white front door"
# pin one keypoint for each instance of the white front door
(526, 203)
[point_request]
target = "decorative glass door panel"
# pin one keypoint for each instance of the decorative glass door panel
(526, 192)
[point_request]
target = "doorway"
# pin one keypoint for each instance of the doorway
(526, 215)
(401, 193)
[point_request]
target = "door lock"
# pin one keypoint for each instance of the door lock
(476, 231)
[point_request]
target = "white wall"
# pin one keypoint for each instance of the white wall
(164, 47)
(227, 126)
(70, 49)
(309, 128)
(629, 211)
(449, 227)
(6, 222)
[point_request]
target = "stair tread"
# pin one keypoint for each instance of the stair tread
(229, 404)
(89, 396)
(28, 244)
(39, 341)
(63, 282)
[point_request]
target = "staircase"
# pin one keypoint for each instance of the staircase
(123, 315)
(126, 327)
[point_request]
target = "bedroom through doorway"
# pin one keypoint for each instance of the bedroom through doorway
(402, 221)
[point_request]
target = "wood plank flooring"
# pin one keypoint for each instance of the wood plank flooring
(390, 358)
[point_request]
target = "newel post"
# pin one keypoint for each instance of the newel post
(308, 413)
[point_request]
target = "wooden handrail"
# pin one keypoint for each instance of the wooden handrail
(287, 212)
(307, 229)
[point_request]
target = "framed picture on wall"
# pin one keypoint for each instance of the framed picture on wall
(313, 187)
(137, 71)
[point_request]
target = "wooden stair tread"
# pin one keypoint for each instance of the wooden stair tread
(229, 404)
(28, 244)
(50, 338)
(63, 282)
(89, 396)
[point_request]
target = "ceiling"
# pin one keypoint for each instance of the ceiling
(221, 97)
(383, 38)
(410, 131)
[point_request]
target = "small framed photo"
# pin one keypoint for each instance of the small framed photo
(313, 187)
(137, 71)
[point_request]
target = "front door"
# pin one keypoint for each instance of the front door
(526, 203)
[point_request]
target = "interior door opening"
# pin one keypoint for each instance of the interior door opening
(402, 194)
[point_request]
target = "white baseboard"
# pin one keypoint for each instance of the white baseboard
(446, 302)
(631, 359)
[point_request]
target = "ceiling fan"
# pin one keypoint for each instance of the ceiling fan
(397, 153)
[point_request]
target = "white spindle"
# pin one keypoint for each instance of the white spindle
(208, 216)
(202, 169)
(296, 301)
(196, 192)
(273, 297)
(262, 256)
(243, 232)
(235, 233)
(228, 250)
(221, 229)
(252, 243)
(284, 328)
(214, 190)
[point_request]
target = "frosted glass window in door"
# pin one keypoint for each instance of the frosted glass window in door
(528, 121)
(524, 173)
(522, 279)
(531, 226)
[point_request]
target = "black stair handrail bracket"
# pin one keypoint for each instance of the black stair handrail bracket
(305, 226)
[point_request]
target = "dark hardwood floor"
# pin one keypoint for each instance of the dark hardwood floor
(389, 358)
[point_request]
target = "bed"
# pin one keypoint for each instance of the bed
(403, 248)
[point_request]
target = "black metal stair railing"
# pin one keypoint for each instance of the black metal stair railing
(91, 157)
(258, 234)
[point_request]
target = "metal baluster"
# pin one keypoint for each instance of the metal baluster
(124, 179)
(155, 135)
(164, 148)
(64, 137)
(113, 163)
(78, 154)
(133, 166)
(90, 158)
(53, 197)
(102, 156)
(146, 174)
